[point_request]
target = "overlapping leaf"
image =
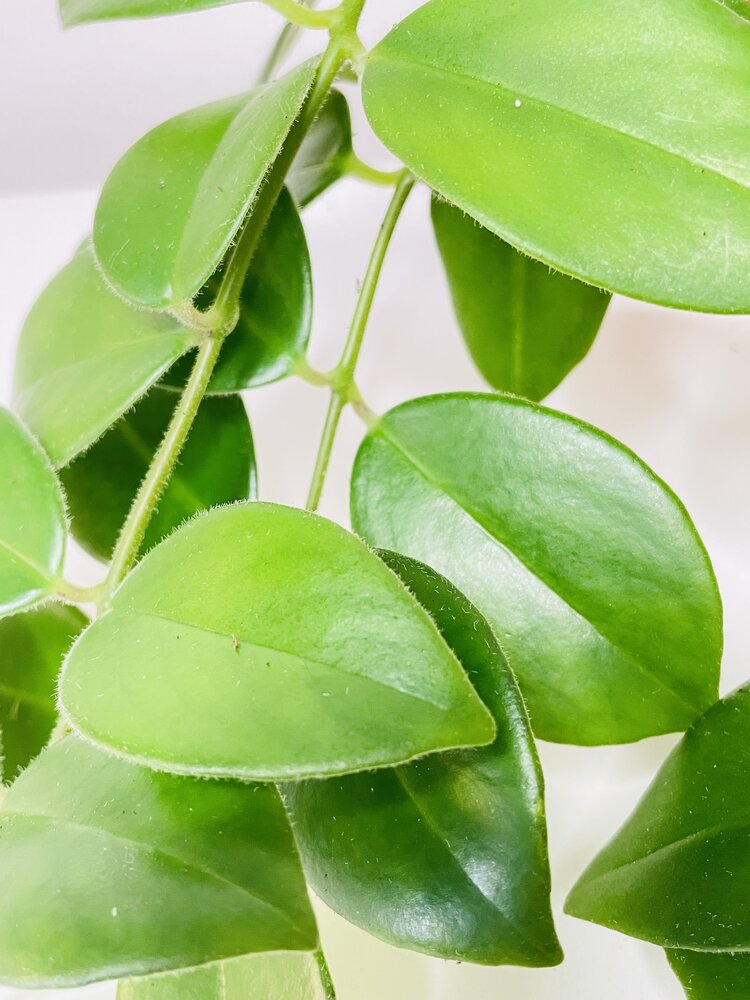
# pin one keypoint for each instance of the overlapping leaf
(323, 156)
(582, 560)
(711, 975)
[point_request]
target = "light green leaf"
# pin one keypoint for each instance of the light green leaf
(525, 326)
(607, 140)
(286, 628)
(111, 870)
(712, 976)
(585, 564)
(84, 11)
(32, 647)
(275, 310)
(678, 872)
(217, 465)
(447, 855)
(86, 356)
(174, 203)
(291, 976)
(32, 519)
(322, 159)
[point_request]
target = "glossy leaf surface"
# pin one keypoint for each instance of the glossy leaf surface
(217, 465)
(286, 628)
(448, 854)
(678, 872)
(174, 203)
(32, 519)
(711, 976)
(582, 560)
(275, 310)
(109, 869)
(86, 356)
(281, 976)
(32, 647)
(608, 141)
(322, 159)
(525, 326)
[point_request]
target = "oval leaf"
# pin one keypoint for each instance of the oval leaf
(85, 357)
(258, 977)
(32, 519)
(199, 175)
(275, 310)
(678, 873)
(585, 564)
(447, 855)
(32, 647)
(217, 465)
(525, 326)
(710, 976)
(324, 154)
(109, 869)
(609, 141)
(288, 629)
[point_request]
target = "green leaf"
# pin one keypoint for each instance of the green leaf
(32, 647)
(288, 976)
(85, 11)
(286, 628)
(525, 326)
(217, 465)
(678, 872)
(712, 976)
(85, 357)
(322, 159)
(607, 140)
(111, 870)
(447, 855)
(32, 519)
(583, 561)
(174, 203)
(275, 310)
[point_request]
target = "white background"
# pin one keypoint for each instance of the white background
(673, 386)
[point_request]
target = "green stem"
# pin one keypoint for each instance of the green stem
(73, 594)
(342, 378)
(134, 529)
(326, 980)
(281, 49)
(301, 15)
(358, 168)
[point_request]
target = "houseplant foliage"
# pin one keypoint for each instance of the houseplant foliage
(264, 700)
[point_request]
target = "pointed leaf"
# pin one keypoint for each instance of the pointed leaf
(84, 11)
(109, 870)
(275, 310)
(86, 356)
(32, 647)
(286, 628)
(290, 976)
(322, 159)
(525, 326)
(711, 976)
(32, 519)
(678, 872)
(582, 560)
(607, 140)
(217, 465)
(447, 855)
(199, 175)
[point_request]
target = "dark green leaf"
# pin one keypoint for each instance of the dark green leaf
(287, 976)
(32, 519)
(607, 140)
(322, 160)
(32, 647)
(217, 465)
(275, 310)
(174, 203)
(448, 854)
(582, 560)
(287, 629)
(712, 976)
(678, 873)
(110, 870)
(86, 356)
(525, 326)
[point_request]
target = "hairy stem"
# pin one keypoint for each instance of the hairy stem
(342, 378)
(326, 980)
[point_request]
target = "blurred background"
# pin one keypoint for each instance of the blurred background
(673, 386)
